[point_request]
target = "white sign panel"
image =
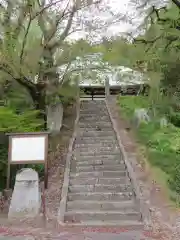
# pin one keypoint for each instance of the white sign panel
(28, 148)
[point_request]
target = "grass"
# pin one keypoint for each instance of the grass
(162, 144)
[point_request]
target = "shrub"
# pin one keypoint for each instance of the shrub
(12, 122)
(174, 118)
(174, 180)
(162, 144)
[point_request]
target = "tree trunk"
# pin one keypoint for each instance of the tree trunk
(47, 81)
(38, 95)
(40, 103)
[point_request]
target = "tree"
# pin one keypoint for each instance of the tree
(33, 44)
(160, 44)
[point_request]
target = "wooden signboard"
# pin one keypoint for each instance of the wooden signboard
(28, 148)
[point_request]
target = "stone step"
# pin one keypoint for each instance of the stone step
(100, 144)
(109, 157)
(101, 196)
(97, 110)
(135, 225)
(89, 140)
(85, 215)
(94, 127)
(94, 103)
(83, 116)
(96, 133)
(101, 129)
(91, 102)
(96, 153)
(100, 188)
(103, 205)
(100, 191)
(96, 114)
(95, 124)
(92, 106)
(90, 119)
(100, 174)
(96, 149)
(119, 167)
(98, 162)
(101, 180)
(94, 109)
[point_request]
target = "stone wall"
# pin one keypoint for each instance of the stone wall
(54, 117)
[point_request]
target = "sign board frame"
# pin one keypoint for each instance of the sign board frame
(43, 161)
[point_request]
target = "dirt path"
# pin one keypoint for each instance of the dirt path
(74, 234)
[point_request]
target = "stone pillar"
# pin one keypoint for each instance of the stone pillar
(26, 200)
(107, 87)
(55, 117)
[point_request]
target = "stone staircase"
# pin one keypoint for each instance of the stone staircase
(100, 192)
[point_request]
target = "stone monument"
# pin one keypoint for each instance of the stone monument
(140, 116)
(26, 199)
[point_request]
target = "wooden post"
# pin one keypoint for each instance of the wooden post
(92, 94)
(107, 89)
(8, 175)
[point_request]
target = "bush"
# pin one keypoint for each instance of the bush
(174, 180)
(12, 122)
(162, 144)
(174, 118)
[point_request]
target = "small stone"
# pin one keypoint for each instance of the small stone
(158, 214)
(139, 166)
(163, 122)
(147, 226)
(140, 116)
(151, 209)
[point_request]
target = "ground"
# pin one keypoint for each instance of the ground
(164, 215)
(77, 235)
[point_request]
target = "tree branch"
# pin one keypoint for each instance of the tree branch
(147, 41)
(20, 21)
(65, 33)
(65, 73)
(176, 2)
(8, 13)
(25, 39)
(23, 81)
(170, 41)
(156, 11)
(58, 20)
(66, 30)
(43, 9)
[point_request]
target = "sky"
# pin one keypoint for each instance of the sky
(129, 10)
(122, 6)
(118, 7)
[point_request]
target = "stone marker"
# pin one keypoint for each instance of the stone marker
(140, 116)
(163, 122)
(55, 117)
(25, 200)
